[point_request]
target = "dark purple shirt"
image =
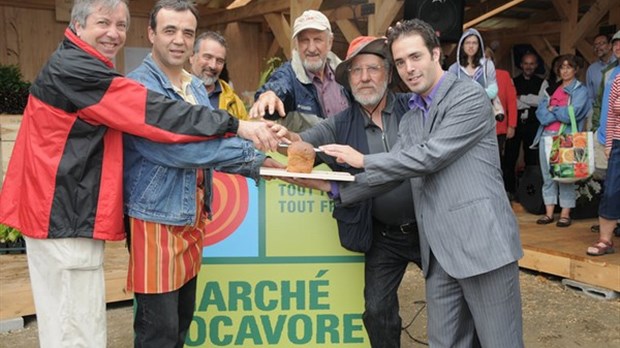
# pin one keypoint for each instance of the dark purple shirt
(423, 103)
(329, 92)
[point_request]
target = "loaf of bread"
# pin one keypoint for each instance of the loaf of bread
(300, 157)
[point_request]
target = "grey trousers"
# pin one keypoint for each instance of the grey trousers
(490, 303)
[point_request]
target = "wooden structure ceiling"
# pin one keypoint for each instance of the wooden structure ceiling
(550, 26)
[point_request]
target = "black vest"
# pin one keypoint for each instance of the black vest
(355, 221)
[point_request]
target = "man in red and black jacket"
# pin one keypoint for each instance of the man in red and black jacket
(63, 187)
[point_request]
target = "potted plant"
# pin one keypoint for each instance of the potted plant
(13, 90)
(11, 241)
(13, 98)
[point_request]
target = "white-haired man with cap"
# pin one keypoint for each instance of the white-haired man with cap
(387, 236)
(306, 84)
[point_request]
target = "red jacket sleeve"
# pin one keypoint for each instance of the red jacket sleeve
(131, 108)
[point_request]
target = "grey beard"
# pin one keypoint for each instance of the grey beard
(314, 67)
(209, 81)
(371, 100)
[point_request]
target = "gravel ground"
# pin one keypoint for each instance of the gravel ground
(553, 317)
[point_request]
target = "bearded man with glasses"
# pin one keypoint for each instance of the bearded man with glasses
(383, 227)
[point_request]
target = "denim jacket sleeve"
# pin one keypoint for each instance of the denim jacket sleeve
(281, 83)
(578, 99)
(232, 153)
(581, 103)
(544, 116)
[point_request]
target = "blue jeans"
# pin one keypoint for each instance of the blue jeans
(609, 208)
(162, 320)
(551, 189)
(386, 263)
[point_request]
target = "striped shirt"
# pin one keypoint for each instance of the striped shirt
(164, 257)
(613, 113)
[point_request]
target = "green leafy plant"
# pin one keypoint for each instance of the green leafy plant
(9, 234)
(13, 90)
(272, 64)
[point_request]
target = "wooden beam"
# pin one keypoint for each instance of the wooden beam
(348, 29)
(614, 15)
(543, 48)
(136, 8)
(255, 8)
(274, 47)
(585, 48)
(481, 8)
(543, 16)
(600, 274)
(345, 12)
(237, 3)
(492, 13)
(299, 6)
(372, 19)
(504, 49)
(591, 18)
(562, 9)
(567, 28)
(541, 29)
(34, 4)
(141, 8)
(218, 4)
(281, 31)
(385, 12)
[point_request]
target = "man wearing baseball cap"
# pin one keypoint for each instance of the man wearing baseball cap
(306, 84)
(388, 236)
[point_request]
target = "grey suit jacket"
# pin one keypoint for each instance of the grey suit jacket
(453, 162)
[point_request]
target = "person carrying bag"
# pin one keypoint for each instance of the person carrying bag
(570, 156)
(565, 103)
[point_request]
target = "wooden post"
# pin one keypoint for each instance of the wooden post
(571, 9)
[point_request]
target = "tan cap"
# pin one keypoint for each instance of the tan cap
(616, 36)
(311, 19)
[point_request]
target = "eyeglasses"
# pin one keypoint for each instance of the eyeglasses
(373, 70)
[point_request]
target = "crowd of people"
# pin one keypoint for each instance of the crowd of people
(445, 152)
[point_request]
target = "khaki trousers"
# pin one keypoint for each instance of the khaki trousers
(69, 292)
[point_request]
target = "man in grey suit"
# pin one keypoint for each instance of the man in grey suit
(468, 233)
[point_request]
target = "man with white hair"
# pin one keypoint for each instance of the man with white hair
(307, 83)
(387, 236)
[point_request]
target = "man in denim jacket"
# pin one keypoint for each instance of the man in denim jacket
(168, 188)
(304, 90)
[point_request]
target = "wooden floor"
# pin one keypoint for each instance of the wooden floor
(548, 249)
(562, 251)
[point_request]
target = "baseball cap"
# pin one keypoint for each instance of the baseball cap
(616, 36)
(311, 19)
(361, 44)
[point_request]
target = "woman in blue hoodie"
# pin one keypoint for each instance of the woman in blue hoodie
(554, 119)
(471, 63)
